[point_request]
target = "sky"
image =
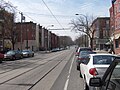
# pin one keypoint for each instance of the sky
(63, 11)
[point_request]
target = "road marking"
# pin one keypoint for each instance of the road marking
(68, 77)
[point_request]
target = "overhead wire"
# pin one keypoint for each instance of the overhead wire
(52, 13)
(39, 14)
(19, 11)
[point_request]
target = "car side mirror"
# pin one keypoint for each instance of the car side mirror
(95, 82)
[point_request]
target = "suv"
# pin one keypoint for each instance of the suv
(110, 79)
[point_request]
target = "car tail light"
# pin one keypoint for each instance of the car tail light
(77, 53)
(81, 58)
(4, 55)
(93, 71)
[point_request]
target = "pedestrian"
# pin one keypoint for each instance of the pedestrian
(18, 49)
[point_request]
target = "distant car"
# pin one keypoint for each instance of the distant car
(83, 55)
(110, 79)
(55, 50)
(13, 55)
(95, 66)
(28, 53)
(1, 57)
(79, 49)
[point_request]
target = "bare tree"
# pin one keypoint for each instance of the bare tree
(7, 13)
(65, 41)
(83, 25)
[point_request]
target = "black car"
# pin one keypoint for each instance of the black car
(110, 79)
(79, 49)
(13, 55)
(83, 55)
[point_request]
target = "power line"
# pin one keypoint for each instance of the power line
(18, 10)
(38, 14)
(60, 29)
(52, 13)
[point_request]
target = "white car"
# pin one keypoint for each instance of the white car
(95, 66)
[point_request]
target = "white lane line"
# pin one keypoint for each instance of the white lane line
(68, 77)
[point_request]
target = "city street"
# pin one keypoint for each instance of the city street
(48, 71)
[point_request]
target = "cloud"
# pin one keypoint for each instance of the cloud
(68, 8)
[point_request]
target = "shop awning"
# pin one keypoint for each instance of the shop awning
(117, 36)
(108, 43)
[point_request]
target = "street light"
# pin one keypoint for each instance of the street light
(49, 26)
(86, 44)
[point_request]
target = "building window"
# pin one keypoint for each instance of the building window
(117, 43)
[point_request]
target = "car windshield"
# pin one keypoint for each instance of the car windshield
(25, 51)
(103, 59)
(10, 52)
(85, 49)
(85, 53)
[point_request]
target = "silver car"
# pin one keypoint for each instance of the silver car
(28, 53)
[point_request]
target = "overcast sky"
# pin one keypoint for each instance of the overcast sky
(63, 10)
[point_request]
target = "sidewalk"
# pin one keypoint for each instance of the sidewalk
(42, 52)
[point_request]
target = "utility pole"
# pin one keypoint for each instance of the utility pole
(113, 47)
(22, 18)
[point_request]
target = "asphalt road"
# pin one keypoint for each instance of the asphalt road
(45, 71)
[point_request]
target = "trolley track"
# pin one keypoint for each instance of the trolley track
(49, 60)
(35, 61)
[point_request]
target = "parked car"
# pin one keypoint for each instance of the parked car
(95, 66)
(13, 55)
(55, 50)
(83, 55)
(110, 79)
(28, 53)
(79, 49)
(1, 57)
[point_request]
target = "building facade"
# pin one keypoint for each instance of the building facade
(26, 38)
(101, 25)
(115, 25)
(35, 37)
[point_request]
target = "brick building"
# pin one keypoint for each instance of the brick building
(26, 38)
(115, 25)
(101, 25)
(35, 37)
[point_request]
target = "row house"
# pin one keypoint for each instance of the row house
(24, 35)
(54, 41)
(26, 38)
(101, 26)
(115, 25)
(35, 37)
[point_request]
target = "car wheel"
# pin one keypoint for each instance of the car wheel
(14, 58)
(78, 68)
(80, 75)
(21, 57)
(85, 85)
(0, 61)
